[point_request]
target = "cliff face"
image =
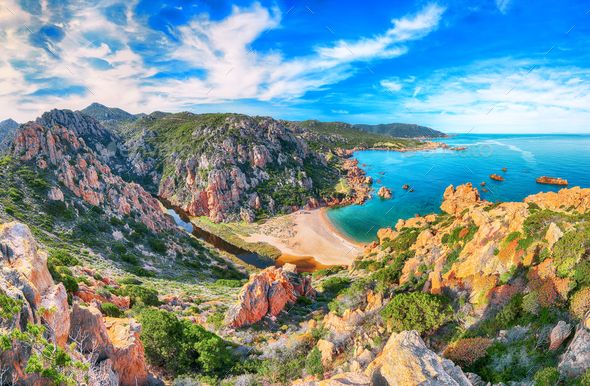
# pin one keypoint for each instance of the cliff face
(111, 347)
(78, 168)
(232, 167)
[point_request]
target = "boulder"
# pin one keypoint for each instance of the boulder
(384, 192)
(267, 292)
(327, 349)
(347, 379)
(553, 234)
(576, 359)
(406, 361)
(456, 200)
(559, 333)
(368, 180)
(89, 331)
(496, 177)
(59, 320)
(128, 359)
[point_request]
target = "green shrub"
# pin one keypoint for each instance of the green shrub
(118, 248)
(569, 250)
(547, 377)
(60, 257)
(65, 271)
(104, 292)
(335, 284)
(510, 312)
(129, 258)
(130, 280)
(82, 279)
(157, 245)
(69, 283)
(137, 293)
(313, 364)
(417, 311)
(109, 309)
(180, 346)
(142, 272)
(97, 276)
(513, 236)
(228, 283)
(216, 319)
(393, 272)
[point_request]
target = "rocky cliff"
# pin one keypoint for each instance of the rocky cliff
(110, 347)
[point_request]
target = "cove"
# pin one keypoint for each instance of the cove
(303, 263)
(429, 173)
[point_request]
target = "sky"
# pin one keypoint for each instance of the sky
(482, 66)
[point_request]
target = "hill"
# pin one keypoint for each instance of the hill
(402, 130)
(7, 128)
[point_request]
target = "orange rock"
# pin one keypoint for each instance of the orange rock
(456, 200)
(551, 180)
(496, 177)
(384, 192)
(87, 294)
(128, 356)
(505, 169)
(564, 199)
(59, 321)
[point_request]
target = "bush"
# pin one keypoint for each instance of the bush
(313, 364)
(70, 283)
(138, 293)
(335, 284)
(105, 293)
(157, 245)
(130, 280)
(393, 272)
(82, 279)
(569, 250)
(118, 248)
(547, 377)
(466, 352)
(179, 345)
(417, 311)
(60, 257)
(510, 312)
(580, 303)
(97, 276)
(129, 258)
(109, 309)
(228, 283)
(216, 319)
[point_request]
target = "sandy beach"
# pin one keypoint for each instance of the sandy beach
(308, 233)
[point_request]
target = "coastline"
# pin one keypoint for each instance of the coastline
(310, 234)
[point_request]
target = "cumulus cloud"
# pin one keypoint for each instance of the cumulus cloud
(69, 55)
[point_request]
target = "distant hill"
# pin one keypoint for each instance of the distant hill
(7, 129)
(111, 118)
(402, 130)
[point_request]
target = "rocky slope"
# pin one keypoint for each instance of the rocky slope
(7, 128)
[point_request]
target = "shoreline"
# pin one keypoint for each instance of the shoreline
(310, 234)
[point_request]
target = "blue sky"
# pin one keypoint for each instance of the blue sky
(485, 66)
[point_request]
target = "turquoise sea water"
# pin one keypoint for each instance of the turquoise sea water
(527, 157)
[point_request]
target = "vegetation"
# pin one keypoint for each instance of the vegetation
(417, 311)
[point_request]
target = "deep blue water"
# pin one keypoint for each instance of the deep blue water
(527, 157)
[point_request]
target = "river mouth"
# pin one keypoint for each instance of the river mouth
(303, 263)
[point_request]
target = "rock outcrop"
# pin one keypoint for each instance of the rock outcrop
(384, 192)
(115, 342)
(576, 198)
(406, 361)
(267, 292)
(496, 177)
(559, 333)
(81, 171)
(456, 200)
(576, 359)
(551, 181)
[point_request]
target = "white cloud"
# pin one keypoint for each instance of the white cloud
(340, 111)
(231, 66)
(391, 84)
(388, 44)
(503, 5)
(540, 101)
(416, 91)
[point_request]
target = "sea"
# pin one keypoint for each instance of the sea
(429, 173)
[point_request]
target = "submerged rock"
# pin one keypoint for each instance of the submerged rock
(551, 180)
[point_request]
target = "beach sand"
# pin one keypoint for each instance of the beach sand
(308, 233)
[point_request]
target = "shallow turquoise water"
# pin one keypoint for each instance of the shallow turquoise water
(527, 157)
